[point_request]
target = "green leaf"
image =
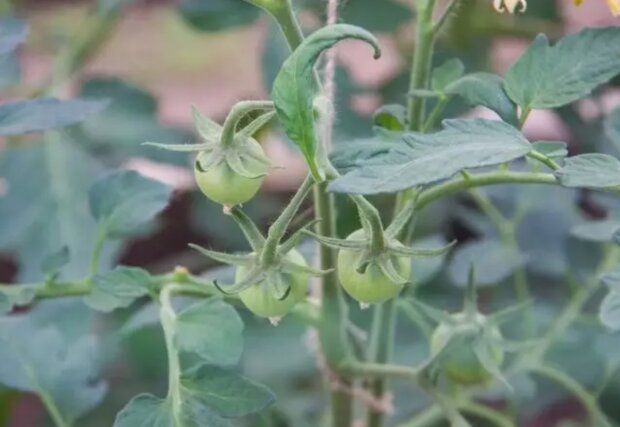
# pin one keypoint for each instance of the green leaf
(384, 16)
(132, 118)
(612, 127)
(487, 90)
(213, 330)
(353, 154)
(124, 200)
(15, 296)
(13, 32)
(492, 260)
(609, 312)
(118, 288)
(55, 261)
(217, 15)
(593, 170)
(552, 149)
(226, 392)
(295, 87)
(39, 115)
(47, 185)
(551, 76)
(391, 117)
(43, 361)
(446, 74)
(207, 397)
(428, 158)
(596, 231)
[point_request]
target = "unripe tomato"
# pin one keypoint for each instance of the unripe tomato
(222, 184)
(259, 299)
(372, 286)
(459, 362)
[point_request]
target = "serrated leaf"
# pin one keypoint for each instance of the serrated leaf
(15, 296)
(551, 76)
(492, 260)
(596, 231)
(124, 200)
(295, 87)
(428, 158)
(487, 90)
(208, 397)
(213, 330)
(352, 154)
(118, 288)
(446, 74)
(43, 361)
(217, 15)
(593, 170)
(55, 261)
(47, 185)
(609, 312)
(39, 115)
(552, 149)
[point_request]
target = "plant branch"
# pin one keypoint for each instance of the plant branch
(238, 112)
(422, 62)
(587, 400)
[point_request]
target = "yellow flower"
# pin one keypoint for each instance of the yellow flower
(613, 5)
(511, 5)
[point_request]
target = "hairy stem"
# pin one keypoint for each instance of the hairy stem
(280, 225)
(422, 61)
(381, 348)
(333, 318)
(238, 112)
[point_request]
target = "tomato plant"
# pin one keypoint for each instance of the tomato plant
(137, 253)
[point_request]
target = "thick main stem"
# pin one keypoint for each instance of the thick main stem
(332, 332)
(422, 62)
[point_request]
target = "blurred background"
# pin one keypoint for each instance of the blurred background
(157, 58)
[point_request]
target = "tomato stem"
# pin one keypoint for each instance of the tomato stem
(279, 227)
(238, 112)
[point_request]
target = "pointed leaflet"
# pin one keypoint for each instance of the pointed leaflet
(428, 158)
(15, 296)
(38, 115)
(43, 361)
(207, 397)
(118, 288)
(593, 170)
(551, 76)
(213, 330)
(296, 87)
(124, 200)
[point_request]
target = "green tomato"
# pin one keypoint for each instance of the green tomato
(372, 286)
(222, 184)
(259, 299)
(460, 363)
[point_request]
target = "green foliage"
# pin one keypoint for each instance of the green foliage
(59, 371)
(17, 118)
(295, 89)
(425, 159)
(553, 76)
(592, 170)
(537, 229)
(119, 288)
(123, 201)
